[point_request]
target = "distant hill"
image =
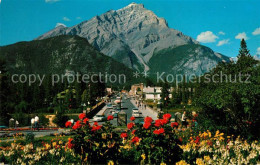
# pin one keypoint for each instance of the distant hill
(186, 59)
(60, 55)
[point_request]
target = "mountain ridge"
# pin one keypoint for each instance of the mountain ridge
(60, 55)
(131, 35)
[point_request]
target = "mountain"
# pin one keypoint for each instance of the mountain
(186, 59)
(134, 35)
(60, 55)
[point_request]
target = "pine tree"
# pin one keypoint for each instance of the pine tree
(3, 93)
(165, 94)
(245, 60)
(243, 51)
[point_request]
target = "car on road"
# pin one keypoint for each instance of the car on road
(112, 112)
(135, 110)
(136, 114)
(115, 115)
(99, 118)
(109, 106)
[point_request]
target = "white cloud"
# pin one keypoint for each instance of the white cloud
(221, 33)
(223, 42)
(256, 32)
(258, 51)
(66, 19)
(241, 35)
(206, 37)
(51, 1)
(78, 17)
(60, 24)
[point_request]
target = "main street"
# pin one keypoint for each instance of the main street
(127, 105)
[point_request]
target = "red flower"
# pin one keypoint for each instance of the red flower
(197, 141)
(95, 123)
(70, 145)
(180, 139)
(135, 139)
(95, 128)
(210, 143)
(133, 132)
(157, 123)
(68, 124)
(110, 117)
(85, 120)
(130, 125)
(159, 131)
(160, 122)
(132, 118)
(148, 119)
(167, 116)
(82, 116)
(146, 125)
(77, 125)
(175, 124)
(123, 135)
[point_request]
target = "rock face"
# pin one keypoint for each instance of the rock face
(131, 35)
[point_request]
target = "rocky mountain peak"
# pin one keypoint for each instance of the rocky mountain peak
(131, 35)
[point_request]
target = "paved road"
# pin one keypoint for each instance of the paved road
(128, 105)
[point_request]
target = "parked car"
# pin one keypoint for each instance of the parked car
(99, 118)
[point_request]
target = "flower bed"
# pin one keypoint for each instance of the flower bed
(154, 142)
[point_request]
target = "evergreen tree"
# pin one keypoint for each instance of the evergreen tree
(245, 60)
(243, 51)
(165, 94)
(4, 93)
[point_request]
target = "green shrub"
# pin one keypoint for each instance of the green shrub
(29, 138)
(60, 119)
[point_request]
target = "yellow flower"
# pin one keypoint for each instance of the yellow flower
(182, 162)
(110, 162)
(209, 133)
(163, 163)
(199, 161)
(54, 144)
(60, 142)
(47, 146)
(97, 144)
(206, 158)
(143, 156)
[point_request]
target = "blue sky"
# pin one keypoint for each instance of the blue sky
(218, 24)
